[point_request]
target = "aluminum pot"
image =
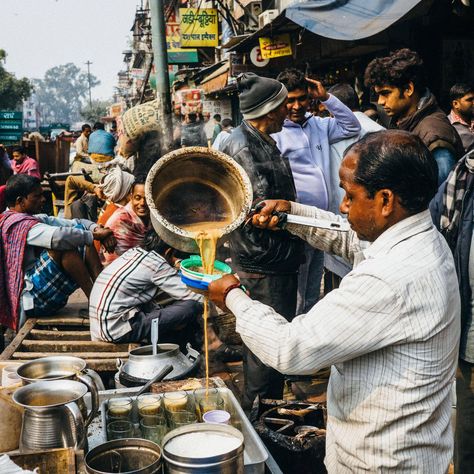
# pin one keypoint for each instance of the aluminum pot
(231, 462)
(52, 417)
(129, 455)
(194, 185)
(142, 365)
(62, 368)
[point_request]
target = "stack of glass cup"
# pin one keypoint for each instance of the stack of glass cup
(153, 414)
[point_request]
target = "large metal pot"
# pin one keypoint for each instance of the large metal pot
(130, 455)
(142, 365)
(194, 185)
(52, 417)
(62, 368)
(230, 462)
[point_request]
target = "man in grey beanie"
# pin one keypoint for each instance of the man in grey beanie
(266, 262)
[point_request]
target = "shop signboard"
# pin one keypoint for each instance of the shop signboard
(11, 126)
(276, 46)
(199, 27)
(222, 107)
(176, 54)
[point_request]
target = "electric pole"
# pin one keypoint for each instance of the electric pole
(88, 63)
(160, 56)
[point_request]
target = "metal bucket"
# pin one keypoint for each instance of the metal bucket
(194, 185)
(130, 455)
(230, 462)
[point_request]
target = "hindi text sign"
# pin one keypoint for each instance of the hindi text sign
(199, 27)
(275, 47)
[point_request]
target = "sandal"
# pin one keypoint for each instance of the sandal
(225, 353)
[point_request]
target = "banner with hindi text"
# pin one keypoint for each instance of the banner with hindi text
(199, 27)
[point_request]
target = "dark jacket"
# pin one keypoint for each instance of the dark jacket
(255, 250)
(192, 134)
(461, 248)
(430, 123)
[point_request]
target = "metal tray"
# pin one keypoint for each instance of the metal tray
(255, 453)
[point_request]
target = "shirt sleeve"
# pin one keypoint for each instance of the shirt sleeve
(344, 124)
(58, 238)
(343, 244)
(166, 278)
(361, 316)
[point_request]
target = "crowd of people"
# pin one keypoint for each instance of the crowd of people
(394, 317)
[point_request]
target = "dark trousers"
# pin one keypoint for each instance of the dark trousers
(178, 323)
(279, 292)
(464, 436)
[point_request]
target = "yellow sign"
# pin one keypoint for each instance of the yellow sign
(275, 47)
(199, 27)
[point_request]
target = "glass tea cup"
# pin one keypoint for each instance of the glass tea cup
(149, 404)
(120, 407)
(208, 400)
(181, 418)
(175, 401)
(153, 428)
(119, 429)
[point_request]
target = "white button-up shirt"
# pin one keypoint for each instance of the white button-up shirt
(390, 333)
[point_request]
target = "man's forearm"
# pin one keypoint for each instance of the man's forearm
(343, 244)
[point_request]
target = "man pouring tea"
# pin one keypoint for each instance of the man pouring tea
(390, 332)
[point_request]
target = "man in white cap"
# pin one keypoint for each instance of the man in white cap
(266, 262)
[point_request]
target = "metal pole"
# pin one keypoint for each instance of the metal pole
(158, 38)
(89, 81)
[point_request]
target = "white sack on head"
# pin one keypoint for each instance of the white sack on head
(117, 184)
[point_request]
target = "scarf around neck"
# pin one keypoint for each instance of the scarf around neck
(14, 228)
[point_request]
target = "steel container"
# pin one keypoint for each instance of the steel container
(231, 462)
(194, 185)
(129, 455)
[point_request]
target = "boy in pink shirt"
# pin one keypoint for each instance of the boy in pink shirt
(23, 164)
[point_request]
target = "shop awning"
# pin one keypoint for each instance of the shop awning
(216, 81)
(337, 19)
(348, 19)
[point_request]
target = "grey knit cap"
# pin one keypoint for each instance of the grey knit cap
(259, 95)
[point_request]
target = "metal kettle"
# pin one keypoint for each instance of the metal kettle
(52, 417)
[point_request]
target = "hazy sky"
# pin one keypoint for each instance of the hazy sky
(40, 34)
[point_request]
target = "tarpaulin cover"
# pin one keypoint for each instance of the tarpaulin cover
(348, 19)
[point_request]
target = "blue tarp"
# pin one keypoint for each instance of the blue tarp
(348, 19)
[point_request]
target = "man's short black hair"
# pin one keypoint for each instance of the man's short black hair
(399, 161)
(397, 70)
(20, 185)
(227, 122)
(153, 242)
(85, 127)
(139, 179)
(217, 117)
(346, 94)
(98, 126)
(19, 149)
(460, 90)
(293, 79)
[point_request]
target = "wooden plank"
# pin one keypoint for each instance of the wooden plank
(49, 335)
(83, 355)
(103, 365)
(67, 346)
(63, 321)
(22, 333)
(51, 461)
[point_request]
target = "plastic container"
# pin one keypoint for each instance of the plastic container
(197, 280)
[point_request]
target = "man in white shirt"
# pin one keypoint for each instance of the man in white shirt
(390, 331)
(82, 144)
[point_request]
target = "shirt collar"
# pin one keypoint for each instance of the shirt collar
(455, 118)
(399, 232)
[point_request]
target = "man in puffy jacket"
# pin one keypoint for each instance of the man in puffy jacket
(305, 140)
(266, 262)
(400, 83)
